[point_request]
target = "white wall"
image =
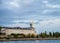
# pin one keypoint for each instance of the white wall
(18, 31)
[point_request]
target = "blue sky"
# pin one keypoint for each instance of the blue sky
(45, 14)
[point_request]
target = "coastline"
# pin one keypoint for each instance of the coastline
(18, 39)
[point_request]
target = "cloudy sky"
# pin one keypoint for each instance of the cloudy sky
(45, 14)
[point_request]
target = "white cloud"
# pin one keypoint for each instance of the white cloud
(17, 25)
(49, 5)
(26, 2)
(24, 21)
(16, 4)
(47, 11)
(52, 6)
(52, 23)
(45, 1)
(13, 4)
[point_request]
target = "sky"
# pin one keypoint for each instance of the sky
(45, 14)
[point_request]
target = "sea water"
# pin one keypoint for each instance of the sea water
(32, 41)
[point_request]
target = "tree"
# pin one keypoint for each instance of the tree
(15, 36)
(33, 35)
(0, 29)
(50, 34)
(28, 35)
(18, 35)
(37, 36)
(43, 35)
(53, 34)
(56, 34)
(40, 34)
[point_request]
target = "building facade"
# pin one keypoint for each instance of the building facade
(18, 30)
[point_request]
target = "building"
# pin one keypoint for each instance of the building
(18, 30)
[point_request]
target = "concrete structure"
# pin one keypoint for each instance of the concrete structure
(18, 30)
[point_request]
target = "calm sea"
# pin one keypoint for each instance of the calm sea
(33, 41)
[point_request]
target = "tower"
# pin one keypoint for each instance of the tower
(31, 24)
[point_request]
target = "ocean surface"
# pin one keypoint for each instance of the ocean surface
(32, 41)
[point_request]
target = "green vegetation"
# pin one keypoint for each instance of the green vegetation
(17, 35)
(30, 36)
(0, 29)
(50, 35)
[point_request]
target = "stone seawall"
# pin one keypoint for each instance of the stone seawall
(17, 39)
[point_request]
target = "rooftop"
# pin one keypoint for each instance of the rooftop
(28, 28)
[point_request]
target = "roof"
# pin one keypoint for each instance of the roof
(28, 28)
